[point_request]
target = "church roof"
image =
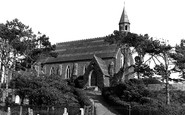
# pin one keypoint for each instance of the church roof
(102, 65)
(83, 50)
(124, 17)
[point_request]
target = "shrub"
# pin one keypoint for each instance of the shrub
(143, 101)
(83, 99)
(151, 81)
(79, 82)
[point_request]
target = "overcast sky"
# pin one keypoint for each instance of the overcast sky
(66, 20)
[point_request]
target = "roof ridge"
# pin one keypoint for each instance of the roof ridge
(79, 40)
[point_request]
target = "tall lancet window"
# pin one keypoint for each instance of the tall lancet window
(84, 69)
(60, 69)
(67, 76)
(52, 71)
(122, 61)
(43, 69)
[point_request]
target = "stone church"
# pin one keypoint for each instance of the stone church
(94, 59)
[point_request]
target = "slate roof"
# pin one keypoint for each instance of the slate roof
(83, 50)
(102, 65)
(124, 17)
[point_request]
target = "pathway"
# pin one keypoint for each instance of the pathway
(101, 107)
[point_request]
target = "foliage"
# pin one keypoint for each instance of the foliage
(83, 99)
(45, 90)
(79, 82)
(151, 81)
(142, 43)
(24, 46)
(158, 51)
(151, 102)
(179, 59)
(130, 91)
(142, 68)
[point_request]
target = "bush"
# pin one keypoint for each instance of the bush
(151, 81)
(79, 82)
(143, 101)
(131, 90)
(83, 99)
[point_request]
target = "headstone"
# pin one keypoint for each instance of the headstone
(9, 112)
(31, 111)
(65, 111)
(96, 89)
(82, 111)
(17, 99)
(26, 101)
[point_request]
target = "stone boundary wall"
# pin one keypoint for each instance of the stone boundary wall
(178, 86)
(157, 87)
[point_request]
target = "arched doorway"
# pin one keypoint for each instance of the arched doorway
(94, 81)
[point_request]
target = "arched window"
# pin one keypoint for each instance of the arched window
(122, 61)
(126, 27)
(43, 70)
(60, 69)
(57, 70)
(67, 75)
(52, 71)
(37, 68)
(84, 69)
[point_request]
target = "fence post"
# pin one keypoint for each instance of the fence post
(82, 111)
(93, 107)
(129, 109)
(20, 110)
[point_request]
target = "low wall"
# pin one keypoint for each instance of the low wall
(178, 86)
(157, 87)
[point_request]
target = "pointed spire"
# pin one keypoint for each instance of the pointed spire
(124, 16)
(124, 24)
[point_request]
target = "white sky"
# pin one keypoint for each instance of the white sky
(66, 20)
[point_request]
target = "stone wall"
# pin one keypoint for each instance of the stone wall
(178, 86)
(157, 87)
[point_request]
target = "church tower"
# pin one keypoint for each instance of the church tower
(124, 24)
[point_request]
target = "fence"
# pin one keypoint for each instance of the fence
(43, 110)
(89, 110)
(134, 110)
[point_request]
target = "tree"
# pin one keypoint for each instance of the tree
(141, 45)
(20, 47)
(179, 60)
(45, 90)
(155, 50)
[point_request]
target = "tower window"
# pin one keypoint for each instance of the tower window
(126, 27)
